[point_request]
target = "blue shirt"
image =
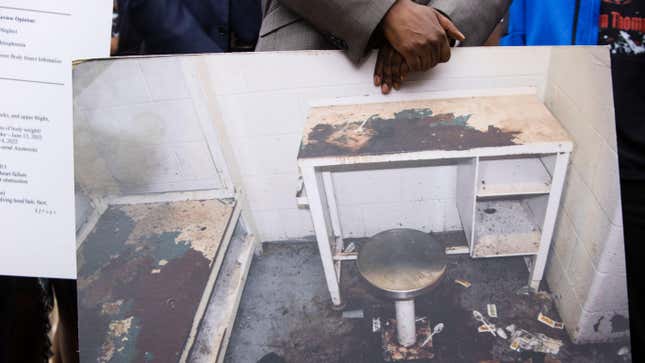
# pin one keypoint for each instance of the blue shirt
(551, 22)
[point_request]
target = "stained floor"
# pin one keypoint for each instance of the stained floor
(286, 309)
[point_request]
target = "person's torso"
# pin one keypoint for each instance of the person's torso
(228, 20)
(622, 26)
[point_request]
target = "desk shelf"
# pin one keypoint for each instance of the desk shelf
(503, 212)
(513, 176)
(507, 227)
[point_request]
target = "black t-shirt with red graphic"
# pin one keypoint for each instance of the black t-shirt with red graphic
(622, 26)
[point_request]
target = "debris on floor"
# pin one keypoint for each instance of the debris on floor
(550, 322)
(524, 290)
(501, 333)
(625, 354)
(524, 340)
(353, 314)
(393, 351)
(492, 310)
(350, 248)
(479, 317)
(376, 325)
(485, 328)
(312, 332)
(463, 283)
(436, 330)
(457, 250)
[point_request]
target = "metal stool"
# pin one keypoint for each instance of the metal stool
(402, 264)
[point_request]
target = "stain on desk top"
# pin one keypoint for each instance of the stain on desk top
(438, 124)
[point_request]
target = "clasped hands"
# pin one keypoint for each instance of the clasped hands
(416, 39)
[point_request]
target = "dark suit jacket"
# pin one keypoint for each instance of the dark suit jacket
(193, 26)
(349, 24)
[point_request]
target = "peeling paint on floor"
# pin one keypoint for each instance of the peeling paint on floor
(142, 274)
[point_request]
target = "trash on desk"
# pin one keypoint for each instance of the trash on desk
(524, 340)
(492, 310)
(550, 322)
(353, 314)
(501, 333)
(480, 318)
(350, 248)
(436, 330)
(463, 283)
(376, 325)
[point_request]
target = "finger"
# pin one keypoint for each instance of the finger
(419, 62)
(378, 68)
(385, 89)
(450, 28)
(404, 71)
(396, 70)
(432, 58)
(435, 55)
(387, 71)
(444, 53)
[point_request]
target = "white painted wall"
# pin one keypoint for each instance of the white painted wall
(138, 130)
(587, 264)
(264, 109)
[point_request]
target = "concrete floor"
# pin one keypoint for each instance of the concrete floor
(286, 309)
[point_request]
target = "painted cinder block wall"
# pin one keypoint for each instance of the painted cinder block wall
(264, 112)
(586, 270)
(140, 128)
(137, 130)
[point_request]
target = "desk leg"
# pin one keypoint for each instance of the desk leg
(557, 183)
(332, 207)
(313, 181)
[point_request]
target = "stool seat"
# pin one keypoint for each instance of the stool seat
(402, 263)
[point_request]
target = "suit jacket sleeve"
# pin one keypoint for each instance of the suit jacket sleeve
(475, 19)
(352, 22)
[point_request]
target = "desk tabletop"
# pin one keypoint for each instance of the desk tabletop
(429, 125)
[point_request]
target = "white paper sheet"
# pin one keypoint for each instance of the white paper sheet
(37, 234)
(91, 28)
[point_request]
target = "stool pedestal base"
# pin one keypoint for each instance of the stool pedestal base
(405, 322)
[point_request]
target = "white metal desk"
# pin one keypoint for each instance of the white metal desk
(511, 156)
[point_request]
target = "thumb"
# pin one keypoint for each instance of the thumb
(450, 28)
